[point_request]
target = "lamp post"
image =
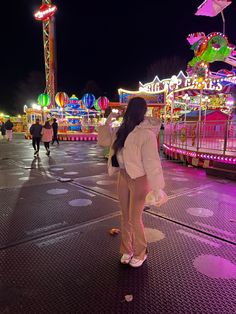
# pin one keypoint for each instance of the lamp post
(186, 98)
(205, 101)
(200, 107)
(173, 85)
(200, 85)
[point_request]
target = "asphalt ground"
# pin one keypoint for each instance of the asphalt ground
(57, 255)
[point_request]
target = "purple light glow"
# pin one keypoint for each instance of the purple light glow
(205, 156)
(215, 267)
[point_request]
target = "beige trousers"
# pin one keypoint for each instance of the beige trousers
(132, 193)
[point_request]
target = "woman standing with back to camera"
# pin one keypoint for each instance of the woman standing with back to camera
(134, 153)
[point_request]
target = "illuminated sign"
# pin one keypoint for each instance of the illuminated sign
(45, 12)
(178, 82)
(159, 91)
(209, 84)
(151, 98)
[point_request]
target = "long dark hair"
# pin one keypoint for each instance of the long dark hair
(47, 125)
(134, 115)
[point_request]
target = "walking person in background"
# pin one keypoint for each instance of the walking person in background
(55, 131)
(47, 134)
(35, 131)
(9, 130)
(134, 154)
(3, 130)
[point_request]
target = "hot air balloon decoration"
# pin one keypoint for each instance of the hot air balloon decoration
(73, 103)
(44, 100)
(88, 101)
(103, 103)
(62, 99)
(96, 107)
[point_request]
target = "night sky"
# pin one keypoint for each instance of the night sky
(112, 45)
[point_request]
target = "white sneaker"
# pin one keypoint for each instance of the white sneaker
(135, 262)
(125, 258)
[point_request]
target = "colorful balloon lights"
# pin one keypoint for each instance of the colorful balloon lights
(62, 99)
(88, 100)
(103, 102)
(44, 100)
(96, 107)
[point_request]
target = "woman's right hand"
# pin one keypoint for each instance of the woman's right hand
(161, 198)
(112, 115)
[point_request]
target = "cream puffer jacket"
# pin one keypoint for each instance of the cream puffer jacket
(47, 135)
(140, 152)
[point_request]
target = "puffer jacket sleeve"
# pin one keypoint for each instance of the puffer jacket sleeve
(51, 134)
(105, 135)
(152, 163)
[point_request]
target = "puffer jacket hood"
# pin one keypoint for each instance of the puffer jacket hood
(150, 123)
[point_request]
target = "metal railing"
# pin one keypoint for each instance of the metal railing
(217, 137)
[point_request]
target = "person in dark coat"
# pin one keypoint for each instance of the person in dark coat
(35, 131)
(55, 131)
(3, 129)
(9, 129)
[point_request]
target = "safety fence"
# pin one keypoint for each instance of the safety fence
(216, 137)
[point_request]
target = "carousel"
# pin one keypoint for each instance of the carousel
(197, 108)
(77, 119)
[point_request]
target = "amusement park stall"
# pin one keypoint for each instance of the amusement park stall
(19, 122)
(205, 132)
(197, 108)
(77, 119)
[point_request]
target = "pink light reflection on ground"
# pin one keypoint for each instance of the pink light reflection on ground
(215, 267)
(200, 212)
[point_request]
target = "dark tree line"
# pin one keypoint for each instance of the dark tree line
(166, 67)
(28, 89)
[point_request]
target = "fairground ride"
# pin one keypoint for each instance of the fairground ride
(46, 15)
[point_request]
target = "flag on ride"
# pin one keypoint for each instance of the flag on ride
(212, 7)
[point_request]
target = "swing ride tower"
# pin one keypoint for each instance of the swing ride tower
(46, 15)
